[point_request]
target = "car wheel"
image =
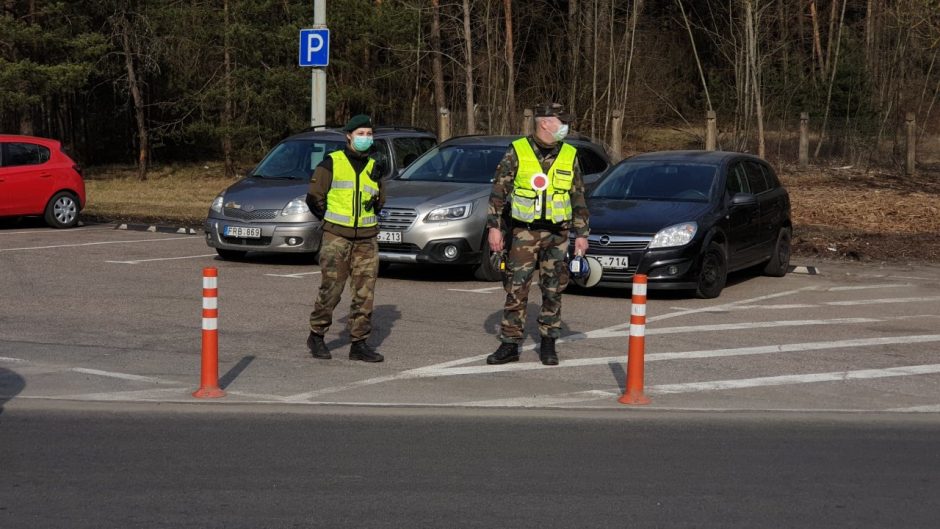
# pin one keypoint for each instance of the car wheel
(486, 271)
(62, 210)
(779, 263)
(231, 255)
(713, 273)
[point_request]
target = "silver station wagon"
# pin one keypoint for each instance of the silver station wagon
(267, 210)
(435, 211)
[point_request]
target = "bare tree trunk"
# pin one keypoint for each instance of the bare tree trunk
(817, 44)
(510, 66)
(437, 69)
(594, 75)
(698, 63)
(834, 8)
(227, 111)
(134, 86)
(832, 78)
(468, 68)
(574, 36)
(753, 66)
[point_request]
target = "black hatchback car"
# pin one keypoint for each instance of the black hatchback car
(688, 218)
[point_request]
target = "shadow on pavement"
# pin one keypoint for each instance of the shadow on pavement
(230, 376)
(11, 384)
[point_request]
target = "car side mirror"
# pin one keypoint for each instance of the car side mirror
(744, 199)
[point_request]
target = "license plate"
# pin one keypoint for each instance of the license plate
(612, 261)
(242, 233)
(389, 236)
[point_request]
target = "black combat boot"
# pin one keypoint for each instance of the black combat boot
(507, 352)
(361, 351)
(547, 353)
(317, 346)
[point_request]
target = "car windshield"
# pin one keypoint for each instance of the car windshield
(658, 180)
(295, 160)
(456, 163)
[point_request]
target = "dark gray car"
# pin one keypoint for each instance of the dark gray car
(267, 210)
(435, 211)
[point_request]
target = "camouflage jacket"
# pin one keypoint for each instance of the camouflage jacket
(503, 185)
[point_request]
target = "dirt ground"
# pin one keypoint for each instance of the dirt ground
(846, 213)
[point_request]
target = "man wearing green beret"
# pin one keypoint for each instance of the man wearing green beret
(346, 193)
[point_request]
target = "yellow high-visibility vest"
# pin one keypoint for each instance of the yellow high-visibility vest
(349, 193)
(554, 202)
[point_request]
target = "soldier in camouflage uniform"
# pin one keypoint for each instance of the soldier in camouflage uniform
(540, 182)
(345, 196)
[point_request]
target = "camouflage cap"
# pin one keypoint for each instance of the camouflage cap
(557, 110)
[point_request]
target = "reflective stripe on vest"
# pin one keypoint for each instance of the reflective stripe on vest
(554, 202)
(349, 193)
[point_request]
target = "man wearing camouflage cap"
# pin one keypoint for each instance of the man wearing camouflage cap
(346, 195)
(540, 181)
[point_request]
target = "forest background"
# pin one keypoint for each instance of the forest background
(169, 80)
(152, 83)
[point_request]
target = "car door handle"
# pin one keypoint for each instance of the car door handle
(44, 175)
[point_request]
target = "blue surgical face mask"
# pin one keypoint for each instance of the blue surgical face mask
(362, 143)
(561, 132)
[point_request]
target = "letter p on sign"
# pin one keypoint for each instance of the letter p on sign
(314, 47)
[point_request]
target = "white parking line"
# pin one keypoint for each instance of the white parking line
(164, 239)
(51, 231)
(809, 378)
(296, 276)
(138, 261)
(417, 372)
(477, 290)
(122, 376)
(927, 408)
(685, 355)
(880, 301)
(866, 287)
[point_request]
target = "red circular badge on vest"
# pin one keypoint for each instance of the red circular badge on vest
(539, 181)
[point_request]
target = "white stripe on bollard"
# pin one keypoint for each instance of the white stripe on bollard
(210, 324)
(210, 303)
(637, 330)
(210, 282)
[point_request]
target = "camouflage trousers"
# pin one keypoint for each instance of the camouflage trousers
(533, 249)
(341, 259)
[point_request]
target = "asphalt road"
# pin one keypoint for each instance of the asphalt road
(96, 313)
(166, 466)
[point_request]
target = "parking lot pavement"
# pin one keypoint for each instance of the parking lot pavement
(96, 313)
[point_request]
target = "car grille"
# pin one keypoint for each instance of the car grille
(617, 242)
(619, 275)
(397, 218)
(263, 241)
(397, 247)
(258, 214)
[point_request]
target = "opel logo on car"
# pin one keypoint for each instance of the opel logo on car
(249, 208)
(383, 213)
(605, 240)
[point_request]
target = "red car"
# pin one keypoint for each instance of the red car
(38, 178)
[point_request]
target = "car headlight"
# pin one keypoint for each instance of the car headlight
(296, 206)
(676, 235)
(457, 212)
(217, 204)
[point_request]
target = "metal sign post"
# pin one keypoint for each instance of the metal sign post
(315, 51)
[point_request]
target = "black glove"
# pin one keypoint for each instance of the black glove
(372, 204)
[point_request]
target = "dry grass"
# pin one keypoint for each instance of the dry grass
(175, 194)
(841, 213)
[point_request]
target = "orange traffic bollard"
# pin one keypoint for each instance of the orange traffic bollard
(209, 384)
(633, 394)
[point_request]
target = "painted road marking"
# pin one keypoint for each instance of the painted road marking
(880, 301)
(809, 378)
(122, 376)
(298, 275)
(685, 355)
(477, 290)
(417, 372)
(163, 239)
(50, 231)
(927, 408)
(138, 261)
(866, 287)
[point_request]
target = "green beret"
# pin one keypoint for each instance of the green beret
(357, 122)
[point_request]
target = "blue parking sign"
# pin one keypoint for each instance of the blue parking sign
(314, 47)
